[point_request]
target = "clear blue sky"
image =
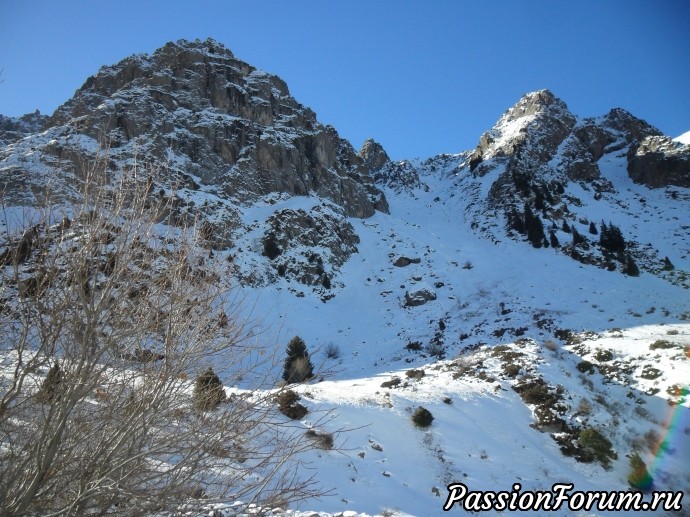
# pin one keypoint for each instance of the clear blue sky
(420, 77)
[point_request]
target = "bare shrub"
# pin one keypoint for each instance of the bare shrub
(115, 289)
(332, 351)
(415, 374)
(550, 345)
(323, 440)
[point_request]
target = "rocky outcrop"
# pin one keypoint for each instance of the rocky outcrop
(419, 296)
(658, 161)
(309, 246)
(196, 111)
(13, 129)
(527, 135)
(373, 155)
(397, 176)
(403, 261)
(592, 138)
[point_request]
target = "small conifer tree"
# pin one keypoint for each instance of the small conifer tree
(611, 238)
(422, 417)
(668, 265)
(298, 367)
(271, 248)
(578, 240)
(52, 384)
(554, 240)
(639, 477)
(534, 227)
(208, 390)
(631, 268)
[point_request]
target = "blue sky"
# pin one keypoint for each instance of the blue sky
(422, 78)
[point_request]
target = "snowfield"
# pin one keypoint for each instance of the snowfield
(488, 294)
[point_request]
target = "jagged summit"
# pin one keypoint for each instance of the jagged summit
(202, 67)
(533, 103)
(211, 120)
(538, 122)
(373, 154)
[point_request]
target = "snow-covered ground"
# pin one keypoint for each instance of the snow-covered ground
(503, 293)
(547, 313)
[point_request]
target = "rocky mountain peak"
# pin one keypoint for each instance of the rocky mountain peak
(201, 68)
(373, 154)
(215, 122)
(529, 132)
(533, 103)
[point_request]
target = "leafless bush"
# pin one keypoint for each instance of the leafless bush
(332, 351)
(128, 305)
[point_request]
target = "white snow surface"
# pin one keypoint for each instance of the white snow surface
(383, 464)
(684, 138)
(490, 292)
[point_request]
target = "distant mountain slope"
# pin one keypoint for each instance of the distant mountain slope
(545, 176)
(684, 138)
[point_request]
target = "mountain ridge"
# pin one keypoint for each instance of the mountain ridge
(433, 272)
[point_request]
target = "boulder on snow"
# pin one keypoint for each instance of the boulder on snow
(403, 261)
(419, 296)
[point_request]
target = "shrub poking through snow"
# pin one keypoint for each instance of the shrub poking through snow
(585, 367)
(639, 477)
(322, 439)
(332, 351)
(208, 390)
(414, 374)
(422, 417)
(596, 446)
(298, 367)
(289, 406)
(395, 381)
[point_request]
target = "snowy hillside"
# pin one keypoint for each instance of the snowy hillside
(684, 138)
(508, 297)
(531, 294)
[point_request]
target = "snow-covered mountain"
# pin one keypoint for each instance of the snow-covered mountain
(684, 138)
(523, 292)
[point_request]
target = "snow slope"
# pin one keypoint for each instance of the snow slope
(488, 293)
(684, 138)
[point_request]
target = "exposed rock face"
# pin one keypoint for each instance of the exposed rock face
(373, 154)
(197, 111)
(528, 134)
(593, 137)
(658, 161)
(309, 246)
(13, 129)
(396, 175)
